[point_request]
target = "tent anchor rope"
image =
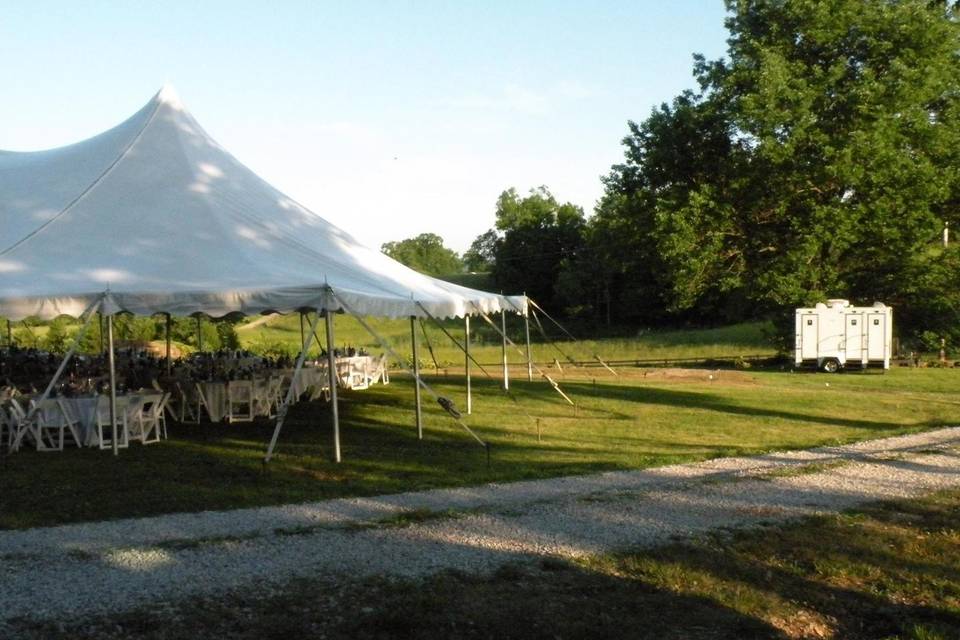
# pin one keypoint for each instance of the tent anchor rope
(507, 392)
(561, 327)
(417, 379)
(552, 382)
(426, 338)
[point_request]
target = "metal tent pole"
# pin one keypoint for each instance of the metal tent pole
(288, 399)
(526, 327)
(332, 374)
(416, 375)
(301, 328)
(466, 350)
(168, 344)
(199, 335)
(113, 382)
(503, 325)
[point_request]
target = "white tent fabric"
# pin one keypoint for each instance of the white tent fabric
(154, 216)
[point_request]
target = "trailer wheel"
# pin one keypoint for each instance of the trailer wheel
(831, 365)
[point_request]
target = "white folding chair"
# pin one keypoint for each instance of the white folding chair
(187, 412)
(142, 421)
(240, 401)
(160, 414)
(104, 428)
(377, 371)
(8, 430)
(262, 397)
(202, 403)
(64, 420)
(276, 393)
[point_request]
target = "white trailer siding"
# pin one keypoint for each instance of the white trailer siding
(844, 335)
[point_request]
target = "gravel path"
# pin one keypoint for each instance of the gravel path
(60, 572)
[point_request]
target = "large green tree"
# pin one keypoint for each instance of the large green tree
(821, 157)
(426, 254)
(535, 238)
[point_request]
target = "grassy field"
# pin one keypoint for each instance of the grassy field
(648, 417)
(743, 339)
(886, 571)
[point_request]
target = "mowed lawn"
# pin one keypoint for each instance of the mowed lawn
(645, 418)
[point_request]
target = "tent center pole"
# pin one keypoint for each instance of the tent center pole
(416, 376)
(113, 383)
(506, 373)
(168, 345)
(526, 327)
(332, 375)
(466, 351)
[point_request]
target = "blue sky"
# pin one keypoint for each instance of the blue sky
(387, 118)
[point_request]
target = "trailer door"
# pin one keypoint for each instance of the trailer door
(876, 336)
(809, 337)
(854, 338)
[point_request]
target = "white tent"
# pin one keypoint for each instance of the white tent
(153, 216)
(160, 218)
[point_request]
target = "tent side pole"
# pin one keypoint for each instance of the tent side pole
(168, 344)
(466, 351)
(526, 328)
(332, 376)
(416, 376)
(113, 382)
(302, 338)
(506, 373)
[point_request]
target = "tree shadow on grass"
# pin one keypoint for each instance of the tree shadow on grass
(835, 568)
(717, 403)
(551, 600)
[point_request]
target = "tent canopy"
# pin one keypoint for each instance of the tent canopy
(154, 216)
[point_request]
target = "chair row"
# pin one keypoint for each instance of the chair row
(51, 424)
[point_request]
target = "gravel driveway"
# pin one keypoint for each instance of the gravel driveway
(62, 572)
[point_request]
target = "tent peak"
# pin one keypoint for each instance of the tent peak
(168, 95)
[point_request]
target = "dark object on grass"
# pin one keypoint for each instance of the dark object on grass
(449, 407)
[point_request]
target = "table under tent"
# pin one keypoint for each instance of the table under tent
(154, 217)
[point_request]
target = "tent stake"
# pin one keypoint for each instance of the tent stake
(503, 325)
(466, 351)
(113, 383)
(332, 376)
(416, 375)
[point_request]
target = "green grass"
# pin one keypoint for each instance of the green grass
(885, 571)
(641, 421)
(742, 339)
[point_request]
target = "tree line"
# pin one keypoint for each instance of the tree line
(819, 158)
